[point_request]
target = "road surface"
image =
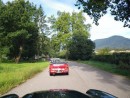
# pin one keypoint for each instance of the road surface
(81, 77)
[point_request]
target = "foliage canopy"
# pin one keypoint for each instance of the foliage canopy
(72, 37)
(120, 9)
(20, 25)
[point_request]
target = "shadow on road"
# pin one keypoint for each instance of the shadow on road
(105, 77)
(59, 75)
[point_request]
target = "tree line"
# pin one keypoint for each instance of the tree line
(21, 30)
(71, 39)
(122, 60)
(25, 33)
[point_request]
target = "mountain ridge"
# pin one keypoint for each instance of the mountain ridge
(113, 42)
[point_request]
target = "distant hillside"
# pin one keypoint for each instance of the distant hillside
(114, 42)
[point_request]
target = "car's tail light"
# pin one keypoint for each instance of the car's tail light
(66, 66)
(51, 66)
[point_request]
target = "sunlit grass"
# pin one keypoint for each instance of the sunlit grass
(108, 67)
(12, 74)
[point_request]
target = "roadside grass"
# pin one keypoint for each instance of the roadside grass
(108, 67)
(12, 74)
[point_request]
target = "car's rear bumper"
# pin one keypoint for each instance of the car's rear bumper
(59, 71)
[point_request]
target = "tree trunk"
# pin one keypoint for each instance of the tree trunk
(19, 55)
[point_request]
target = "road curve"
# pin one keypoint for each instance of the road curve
(81, 77)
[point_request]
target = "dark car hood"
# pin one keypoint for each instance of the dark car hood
(64, 93)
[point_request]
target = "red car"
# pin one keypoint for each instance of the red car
(58, 67)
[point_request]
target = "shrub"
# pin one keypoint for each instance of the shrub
(116, 58)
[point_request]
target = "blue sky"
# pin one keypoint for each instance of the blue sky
(107, 25)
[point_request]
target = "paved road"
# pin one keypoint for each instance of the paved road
(82, 77)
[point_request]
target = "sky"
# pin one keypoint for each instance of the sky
(107, 25)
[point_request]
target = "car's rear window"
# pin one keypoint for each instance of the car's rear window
(58, 61)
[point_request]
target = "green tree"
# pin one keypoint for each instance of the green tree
(17, 41)
(52, 21)
(78, 24)
(43, 40)
(80, 47)
(63, 22)
(104, 51)
(18, 29)
(71, 30)
(54, 42)
(1, 48)
(61, 27)
(120, 9)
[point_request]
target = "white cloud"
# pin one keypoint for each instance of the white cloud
(108, 27)
(58, 6)
(7, 1)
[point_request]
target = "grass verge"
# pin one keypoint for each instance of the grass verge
(108, 67)
(12, 74)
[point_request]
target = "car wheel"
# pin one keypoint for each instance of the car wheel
(50, 74)
(67, 73)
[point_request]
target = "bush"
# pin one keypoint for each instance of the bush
(80, 47)
(120, 59)
(62, 54)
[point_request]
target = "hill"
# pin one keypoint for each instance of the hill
(114, 42)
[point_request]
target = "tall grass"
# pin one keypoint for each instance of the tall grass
(12, 74)
(108, 67)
